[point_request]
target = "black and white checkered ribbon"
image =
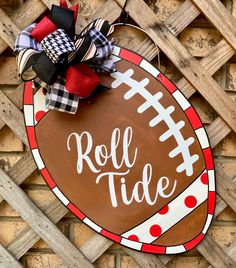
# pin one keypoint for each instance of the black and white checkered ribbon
(59, 99)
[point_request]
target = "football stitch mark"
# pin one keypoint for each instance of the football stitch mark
(164, 114)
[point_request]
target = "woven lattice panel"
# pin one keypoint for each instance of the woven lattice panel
(196, 44)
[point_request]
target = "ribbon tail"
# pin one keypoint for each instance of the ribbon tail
(63, 3)
(25, 60)
(103, 61)
(74, 8)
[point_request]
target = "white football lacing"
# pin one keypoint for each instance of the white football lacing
(164, 114)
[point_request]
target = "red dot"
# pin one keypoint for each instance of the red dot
(133, 238)
(204, 178)
(155, 230)
(164, 210)
(190, 201)
(39, 115)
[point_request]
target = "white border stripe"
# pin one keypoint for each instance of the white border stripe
(28, 113)
(131, 244)
(115, 58)
(175, 249)
(61, 196)
(208, 222)
(181, 100)
(92, 224)
(38, 159)
(149, 68)
(211, 180)
(202, 137)
(116, 51)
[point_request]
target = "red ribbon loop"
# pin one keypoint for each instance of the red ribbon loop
(43, 29)
(81, 80)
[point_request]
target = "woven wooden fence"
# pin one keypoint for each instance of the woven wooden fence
(197, 41)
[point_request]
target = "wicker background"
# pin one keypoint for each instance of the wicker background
(197, 42)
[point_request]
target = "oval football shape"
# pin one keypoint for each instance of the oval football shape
(135, 165)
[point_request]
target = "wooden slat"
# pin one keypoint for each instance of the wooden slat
(8, 71)
(95, 247)
(28, 237)
(220, 17)
(35, 218)
(92, 249)
(16, 96)
(25, 15)
(7, 260)
(8, 30)
(49, 3)
(110, 11)
(13, 117)
(230, 251)
(220, 206)
(226, 188)
(145, 260)
(22, 170)
(217, 57)
(183, 60)
(182, 17)
(214, 253)
(217, 131)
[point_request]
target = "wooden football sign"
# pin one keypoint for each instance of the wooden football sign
(135, 165)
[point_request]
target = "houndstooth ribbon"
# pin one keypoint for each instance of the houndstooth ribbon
(50, 49)
(56, 45)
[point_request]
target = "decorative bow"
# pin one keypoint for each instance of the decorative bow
(65, 64)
